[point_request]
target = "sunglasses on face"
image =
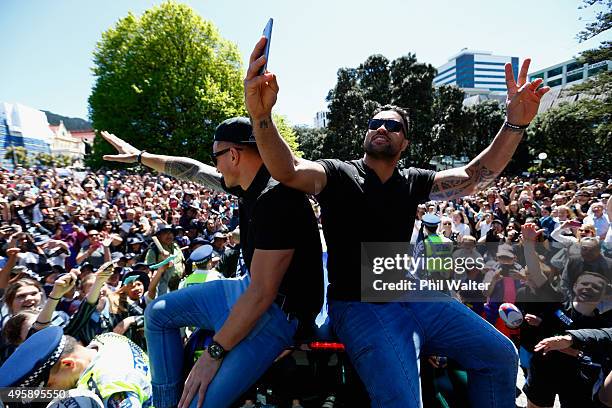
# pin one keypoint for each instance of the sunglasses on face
(215, 155)
(390, 124)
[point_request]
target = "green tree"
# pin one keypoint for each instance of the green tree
(348, 116)
(485, 119)
(17, 154)
(411, 88)
(287, 132)
(163, 81)
(53, 160)
(600, 84)
(602, 22)
(374, 79)
(311, 141)
(575, 136)
(451, 123)
(44, 159)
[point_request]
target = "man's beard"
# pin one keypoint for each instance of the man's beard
(385, 152)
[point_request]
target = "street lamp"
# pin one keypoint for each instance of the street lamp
(542, 156)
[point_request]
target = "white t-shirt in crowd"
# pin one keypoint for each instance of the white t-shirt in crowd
(484, 228)
(462, 229)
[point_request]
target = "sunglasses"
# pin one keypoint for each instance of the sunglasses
(215, 155)
(390, 124)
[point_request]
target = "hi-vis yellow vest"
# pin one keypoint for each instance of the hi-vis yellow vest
(438, 255)
(120, 366)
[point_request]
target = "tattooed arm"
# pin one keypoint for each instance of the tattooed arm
(186, 169)
(260, 96)
(182, 168)
(480, 172)
(522, 105)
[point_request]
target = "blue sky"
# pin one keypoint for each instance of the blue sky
(47, 44)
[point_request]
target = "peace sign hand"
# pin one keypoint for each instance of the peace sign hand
(523, 97)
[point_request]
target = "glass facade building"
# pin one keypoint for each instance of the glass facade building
(476, 71)
(22, 126)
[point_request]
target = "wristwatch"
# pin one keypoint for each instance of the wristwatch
(216, 351)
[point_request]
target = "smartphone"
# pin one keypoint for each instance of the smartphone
(575, 224)
(267, 32)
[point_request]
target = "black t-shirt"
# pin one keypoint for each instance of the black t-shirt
(355, 198)
(542, 302)
(273, 217)
(229, 261)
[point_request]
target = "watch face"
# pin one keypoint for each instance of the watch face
(215, 351)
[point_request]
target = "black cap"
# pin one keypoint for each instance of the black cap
(235, 130)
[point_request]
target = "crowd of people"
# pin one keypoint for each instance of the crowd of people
(118, 265)
(547, 248)
(60, 233)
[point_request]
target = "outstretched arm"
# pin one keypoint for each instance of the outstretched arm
(260, 92)
(182, 168)
(522, 106)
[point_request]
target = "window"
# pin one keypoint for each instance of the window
(554, 82)
(595, 70)
(541, 75)
(573, 66)
(555, 72)
(574, 77)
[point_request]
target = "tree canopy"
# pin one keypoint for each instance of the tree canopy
(163, 82)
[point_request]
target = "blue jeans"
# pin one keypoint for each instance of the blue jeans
(385, 341)
(207, 306)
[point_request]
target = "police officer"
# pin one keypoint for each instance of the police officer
(438, 249)
(112, 366)
(203, 271)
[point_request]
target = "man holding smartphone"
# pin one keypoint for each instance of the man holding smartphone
(385, 340)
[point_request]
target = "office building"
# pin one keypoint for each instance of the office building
(476, 72)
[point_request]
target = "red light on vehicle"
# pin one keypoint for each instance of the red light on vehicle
(326, 346)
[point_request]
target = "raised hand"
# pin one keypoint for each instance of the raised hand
(12, 252)
(104, 272)
(523, 97)
(530, 232)
(260, 91)
(127, 152)
(63, 285)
